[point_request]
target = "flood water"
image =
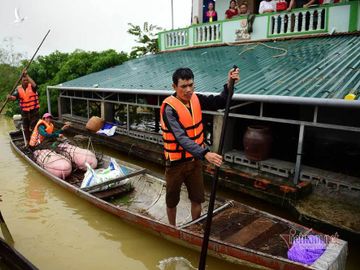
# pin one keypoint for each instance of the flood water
(55, 229)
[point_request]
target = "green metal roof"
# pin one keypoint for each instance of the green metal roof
(326, 67)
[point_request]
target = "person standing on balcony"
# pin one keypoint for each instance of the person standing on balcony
(301, 4)
(267, 6)
(184, 149)
(232, 11)
(29, 103)
(210, 15)
(243, 9)
(195, 20)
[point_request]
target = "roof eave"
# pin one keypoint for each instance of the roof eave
(299, 100)
(241, 97)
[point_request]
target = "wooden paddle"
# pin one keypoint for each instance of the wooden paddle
(5, 229)
(27, 66)
(205, 242)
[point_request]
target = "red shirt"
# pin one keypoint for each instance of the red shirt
(231, 13)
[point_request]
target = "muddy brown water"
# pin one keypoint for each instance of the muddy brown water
(55, 229)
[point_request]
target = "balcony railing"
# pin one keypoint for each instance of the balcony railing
(298, 22)
(206, 33)
(339, 18)
(178, 38)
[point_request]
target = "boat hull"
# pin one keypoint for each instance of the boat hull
(10, 258)
(187, 234)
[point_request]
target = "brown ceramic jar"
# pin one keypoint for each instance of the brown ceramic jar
(257, 142)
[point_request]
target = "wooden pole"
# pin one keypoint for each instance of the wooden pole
(205, 242)
(27, 66)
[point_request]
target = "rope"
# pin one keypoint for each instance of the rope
(42, 158)
(285, 51)
(157, 197)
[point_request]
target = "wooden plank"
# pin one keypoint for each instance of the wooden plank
(201, 218)
(18, 139)
(114, 181)
(251, 231)
(270, 241)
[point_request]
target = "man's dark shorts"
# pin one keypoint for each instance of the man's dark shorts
(189, 173)
(30, 118)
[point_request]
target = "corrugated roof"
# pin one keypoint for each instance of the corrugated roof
(326, 67)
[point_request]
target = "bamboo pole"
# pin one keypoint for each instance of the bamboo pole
(27, 66)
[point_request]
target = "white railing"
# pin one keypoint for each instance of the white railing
(178, 38)
(303, 21)
(207, 33)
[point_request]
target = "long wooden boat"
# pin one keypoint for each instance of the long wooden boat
(240, 234)
(11, 259)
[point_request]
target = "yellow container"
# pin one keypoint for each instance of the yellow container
(350, 96)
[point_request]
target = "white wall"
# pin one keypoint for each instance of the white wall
(197, 9)
(221, 7)
(339, 18)
(358, 28)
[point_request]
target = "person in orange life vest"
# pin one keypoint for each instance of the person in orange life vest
(44, 129)
(181, 123)
(29, 103)
(210, 15)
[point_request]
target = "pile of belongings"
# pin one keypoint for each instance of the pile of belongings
(113, 171)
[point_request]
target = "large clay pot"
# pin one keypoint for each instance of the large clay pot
(257, 142)
(94, 124)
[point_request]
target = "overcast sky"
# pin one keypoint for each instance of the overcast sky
(91, 25)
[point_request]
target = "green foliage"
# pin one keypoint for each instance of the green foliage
(46, 68)
(8, 76)
(9, 73)
(60, 67)
(147, 37)
(8, 69)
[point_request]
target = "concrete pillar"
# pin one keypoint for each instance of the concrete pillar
(102, 109)
(229, 133)
(48, 100)
(197, 9)
(60, 106)
(299, 154)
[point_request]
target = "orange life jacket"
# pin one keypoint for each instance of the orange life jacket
(29, 100)
(36, 137)
(191, 122)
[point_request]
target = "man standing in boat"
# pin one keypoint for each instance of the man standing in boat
(184, 149)
(29, 103)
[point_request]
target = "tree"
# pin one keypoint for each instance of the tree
(8, 76)
(9, 71)
(8, 55)
(54, 69)
(147, 37)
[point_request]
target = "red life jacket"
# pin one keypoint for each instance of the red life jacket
(36, 138)
(191, 122)
(29, 100)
